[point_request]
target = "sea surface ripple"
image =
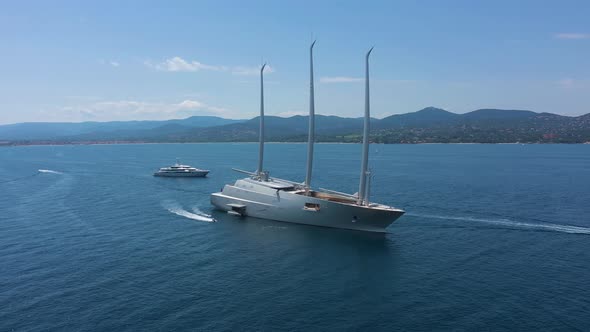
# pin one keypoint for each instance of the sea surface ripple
(496, 237)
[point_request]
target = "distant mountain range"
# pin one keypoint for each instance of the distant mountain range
(429, 125)
(58, 130)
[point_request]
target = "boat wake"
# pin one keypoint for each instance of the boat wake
(198, 211)
(198, 215)
(49, 171)
(514, 224)
(19, 179)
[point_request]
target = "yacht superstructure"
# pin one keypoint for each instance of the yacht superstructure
(262, 196)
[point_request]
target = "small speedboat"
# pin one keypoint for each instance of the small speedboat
(179, 170)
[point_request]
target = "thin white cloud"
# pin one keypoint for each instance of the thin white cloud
(572, 35)
(248, 71)
(340, 79)
(288, 114)
(109, 62)
(566, 83)
(253, 81)
(139, 110)
(191, 104)
(178, 64)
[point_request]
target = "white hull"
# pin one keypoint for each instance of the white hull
(254, 198)
(198, 174)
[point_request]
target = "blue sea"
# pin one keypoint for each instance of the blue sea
(496, 237)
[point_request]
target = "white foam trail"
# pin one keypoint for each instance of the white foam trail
(49, 171)
(514, 224)
(178, 210)
(201, 213)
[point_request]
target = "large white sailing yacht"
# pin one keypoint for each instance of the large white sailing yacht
(262, 196)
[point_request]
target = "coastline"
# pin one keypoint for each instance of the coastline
(14, 144)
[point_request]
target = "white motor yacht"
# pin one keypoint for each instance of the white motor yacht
(179, 170)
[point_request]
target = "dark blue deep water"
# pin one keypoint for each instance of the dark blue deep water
(496, 237)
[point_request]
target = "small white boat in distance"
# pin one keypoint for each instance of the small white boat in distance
(179, 170)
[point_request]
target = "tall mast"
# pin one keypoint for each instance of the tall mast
(362, 196)
(311, 138)
(261, 131)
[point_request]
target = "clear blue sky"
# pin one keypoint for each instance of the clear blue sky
(122, 60)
